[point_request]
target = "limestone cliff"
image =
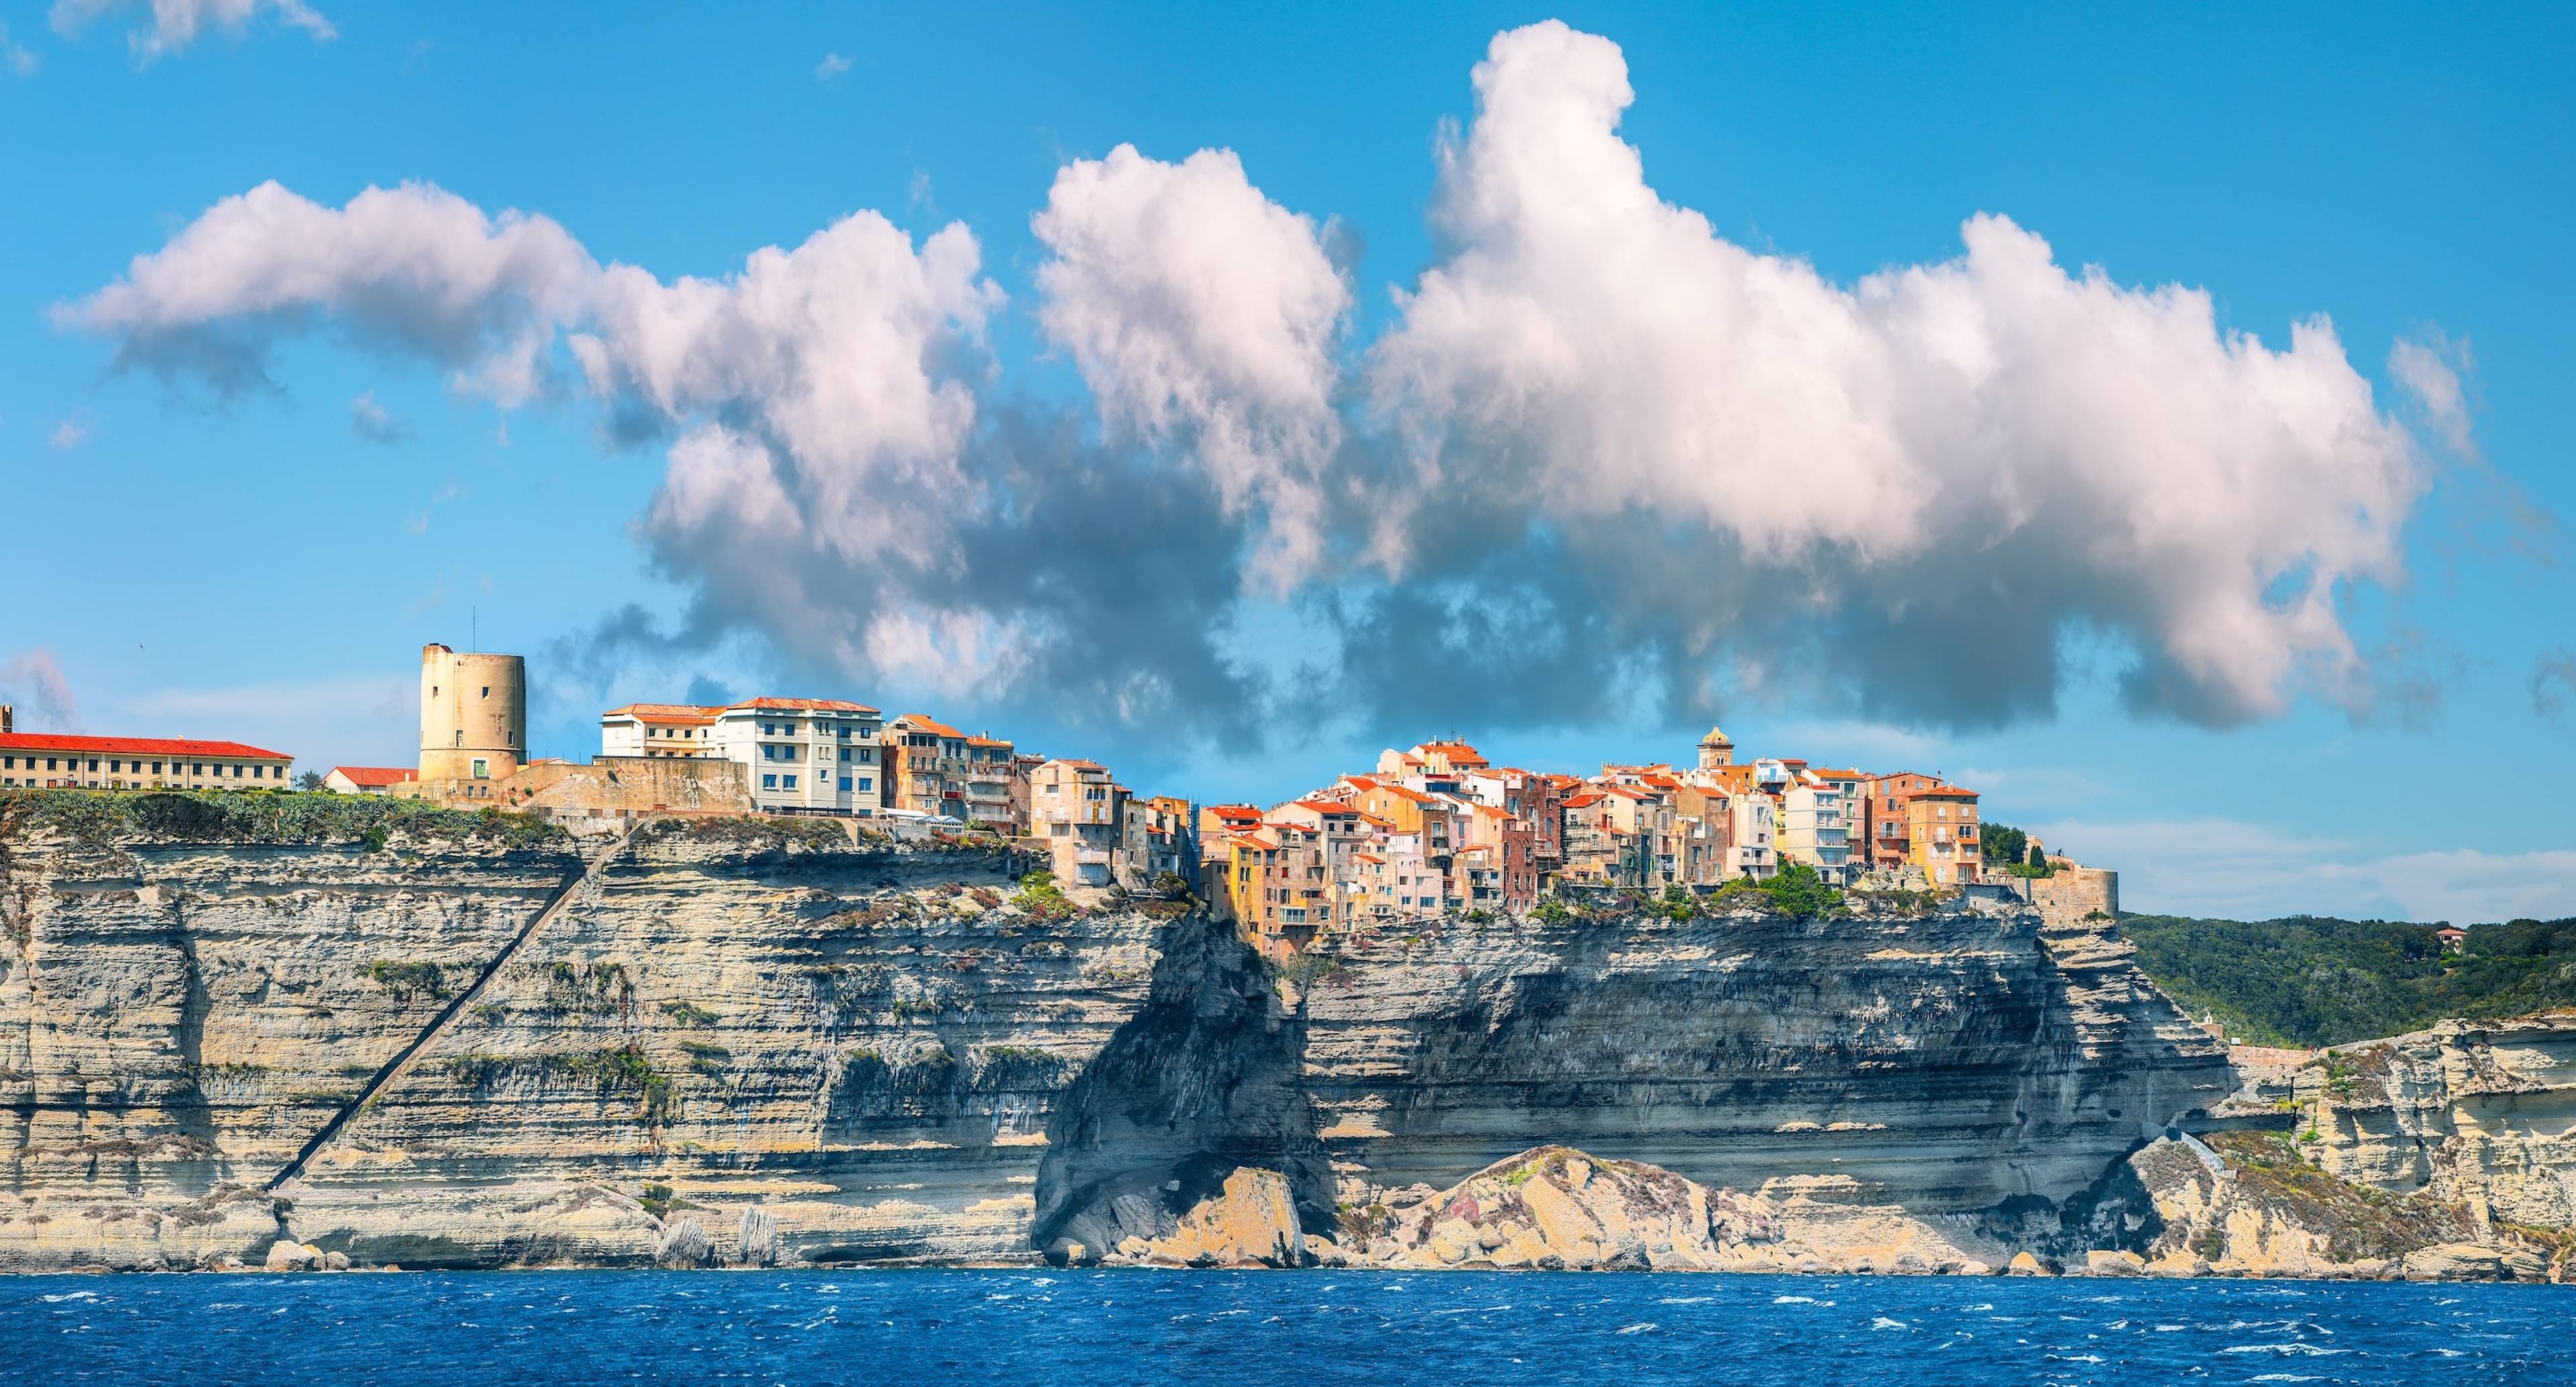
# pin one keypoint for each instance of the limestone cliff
(273, 1029)
(1964, 1071)
(742, 1025)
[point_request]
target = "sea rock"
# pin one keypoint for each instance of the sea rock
(685, 1244)
(1251, 1221)
(286, 1254)
(758, 1239)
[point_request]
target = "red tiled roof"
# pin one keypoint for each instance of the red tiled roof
(986, 741)
(1946, 792)
(1079, 764)
(809, 705)
(923, 722)
(375, 775)
(134, 746)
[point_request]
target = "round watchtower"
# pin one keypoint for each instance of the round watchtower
(473, 715)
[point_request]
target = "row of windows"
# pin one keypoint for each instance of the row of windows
(122, 766)
(865, 784)
(821, 729)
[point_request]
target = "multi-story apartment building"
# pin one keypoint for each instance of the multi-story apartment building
(1535, 799)
(804, 755)
(1075, 809)
(800, 755)
(41, 759)
(925, 767)
(1883, 817)
(1815, 827)
(658, 729)
(1755, 852)
(1941, 823)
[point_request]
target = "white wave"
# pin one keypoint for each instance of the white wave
(68, 1295)
(1883, 1322)
(1686, 1300)
(2308, 1350)
(1639, 1328)
(1800, 1300)
(2282, 1377)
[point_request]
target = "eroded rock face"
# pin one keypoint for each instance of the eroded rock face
(2475, 1112)
(864, 1042)
(1943, 1066)
(2254, 1204)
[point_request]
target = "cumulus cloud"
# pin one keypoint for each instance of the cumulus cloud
(372, 422)
(414, 269)
(1602, 457)
(1913, 487)
(68, 433)
(169, 26)
(831, 68)
(2425, 370)
(32, 682)
(1203, 316)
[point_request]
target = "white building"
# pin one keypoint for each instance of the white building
(1815, 827)
(1075, 806)
(803, 755)
(1756, 852)
(368, 780)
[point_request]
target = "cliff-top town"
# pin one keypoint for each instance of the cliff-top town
(1433, 830)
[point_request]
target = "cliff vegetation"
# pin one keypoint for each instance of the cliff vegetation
(2312, 980)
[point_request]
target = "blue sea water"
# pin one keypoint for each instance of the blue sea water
(1312, 1329)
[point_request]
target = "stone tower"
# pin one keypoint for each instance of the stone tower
(473, 715)
(1715, 750)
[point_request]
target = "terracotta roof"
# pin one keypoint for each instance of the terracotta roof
(1234, 811)
(1079, 764)
(1583, 799)
(134, 746)
(923, 722)
(1946, 792)
(986, 741)
(803, 705)
(663, 712)
(375, 775)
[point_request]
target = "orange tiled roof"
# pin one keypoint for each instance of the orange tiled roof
(664, 713)
(923, 722)
(986, 741)
(134, 746)
(376, 775)
(804, 705)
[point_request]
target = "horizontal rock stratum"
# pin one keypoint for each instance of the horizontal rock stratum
(372, 1031)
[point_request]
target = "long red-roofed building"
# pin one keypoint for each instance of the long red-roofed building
(39, 760)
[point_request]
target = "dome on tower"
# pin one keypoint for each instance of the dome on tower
(1716, 737)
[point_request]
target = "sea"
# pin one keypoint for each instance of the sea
(1314, 1329)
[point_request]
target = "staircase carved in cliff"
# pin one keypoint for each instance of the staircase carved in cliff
(393, 1069)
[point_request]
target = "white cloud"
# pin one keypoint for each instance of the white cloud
(414, 268)
(2231, 869)
(2427, 371)
(372, 423)
(16, 57)
(169, 26)
(69, 433)
(32, 682)
(1606, 459)
(1598, 360)
(831, 68)
(1203, 314)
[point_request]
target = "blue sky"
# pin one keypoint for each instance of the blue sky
(264, 564)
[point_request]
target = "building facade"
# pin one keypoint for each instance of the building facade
(42, 760)
(805, 755)
(368, 780)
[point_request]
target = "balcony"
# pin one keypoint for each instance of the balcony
(1091, 857)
